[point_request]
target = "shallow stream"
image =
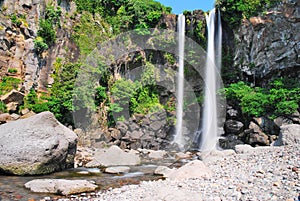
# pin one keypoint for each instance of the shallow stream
(12, 187)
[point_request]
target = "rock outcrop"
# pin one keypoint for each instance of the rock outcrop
(17, 37)
(36, 145)
(268, 46)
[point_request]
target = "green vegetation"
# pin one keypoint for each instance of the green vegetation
(235, 10)
(13, 70)
(282, 98)
(32, 102)
(125, 14)
(3, 108)
(8, 83)
(90, 31)
(47, 33)
(18, 20)
(139, 97)
(39, 45)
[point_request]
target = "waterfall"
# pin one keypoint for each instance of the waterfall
(179, 138)
(210, 134)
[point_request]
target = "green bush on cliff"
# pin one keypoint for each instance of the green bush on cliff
(34, 103)
(233, 11)
(125, 14)
(47, 33)
(8, 83)
(3, 107)
(282, 98)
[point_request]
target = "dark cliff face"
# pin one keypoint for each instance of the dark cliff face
(17, 42)
(268, 46)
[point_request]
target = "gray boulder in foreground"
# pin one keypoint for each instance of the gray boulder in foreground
(36, 145)
(60, 186)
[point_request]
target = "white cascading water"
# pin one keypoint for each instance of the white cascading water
(210, 134)
(179, 138)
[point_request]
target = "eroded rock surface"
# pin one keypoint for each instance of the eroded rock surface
(36, 145)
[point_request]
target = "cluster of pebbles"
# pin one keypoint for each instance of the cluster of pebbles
(266, 173)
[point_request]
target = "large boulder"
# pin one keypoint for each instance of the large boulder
(60, 186)
(36, 145)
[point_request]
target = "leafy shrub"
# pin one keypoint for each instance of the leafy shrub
(125, 14)
(282, 98)
(39, 45)
(32, 102)
(12, 70)
(3, 107)
(8, 84)
(47, 32)
(15, 20)
(235, 10)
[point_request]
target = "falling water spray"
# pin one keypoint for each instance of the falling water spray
(179, 138)
(210, 134)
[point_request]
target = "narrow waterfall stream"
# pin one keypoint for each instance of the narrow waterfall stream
(179, 138)
(210, 134)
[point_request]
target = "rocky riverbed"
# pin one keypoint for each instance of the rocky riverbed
(263, 173)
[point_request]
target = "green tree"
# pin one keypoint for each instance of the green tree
(233, 11)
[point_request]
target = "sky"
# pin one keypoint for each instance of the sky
(178, 6)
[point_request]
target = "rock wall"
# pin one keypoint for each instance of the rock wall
(17, 42)
(268, 46)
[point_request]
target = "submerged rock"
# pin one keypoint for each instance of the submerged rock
(36, 145)
(117, 169)
(60, 186)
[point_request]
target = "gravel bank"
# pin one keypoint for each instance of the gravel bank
(270, 173)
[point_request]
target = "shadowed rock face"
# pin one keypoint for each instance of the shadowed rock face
(268, 46)
(36, 145)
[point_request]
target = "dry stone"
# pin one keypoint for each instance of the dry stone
(36, 145)
(114, 156)
(60, 186)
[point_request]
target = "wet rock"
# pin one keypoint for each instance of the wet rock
(232, 113)
(117, 169)
(157, 154)
(233, 127)
(60, 186)
(181, 155)
(256, 136)
(36, 145)
(114, 156)
(230, 141)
